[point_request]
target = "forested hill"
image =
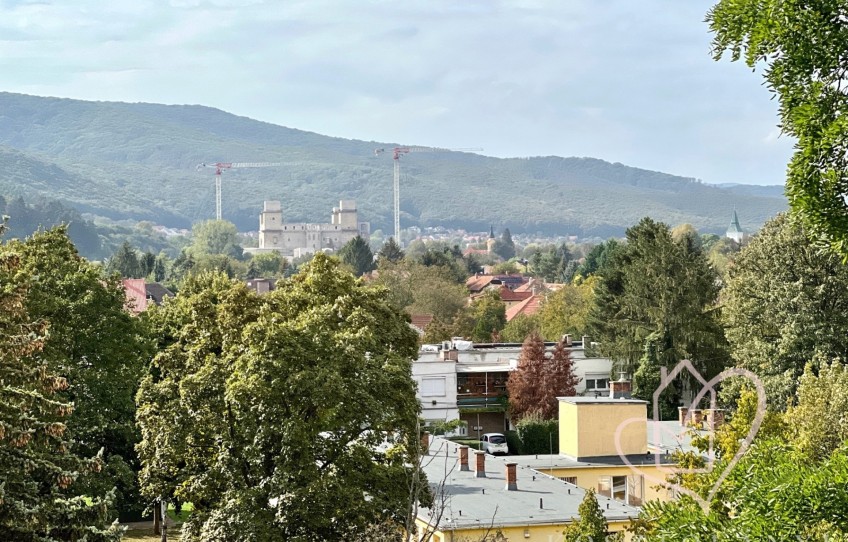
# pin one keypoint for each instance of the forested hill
(138, 161)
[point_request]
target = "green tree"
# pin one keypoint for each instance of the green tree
(567, 310)
(147, 262)
(159, 268)
(270, 264)
(261, 411)
(647, 378)
(819, 422)
(39, 467)
(215, 237)
(654, 284)
(804, 48)
(785, 304)
(591, 524)
(773, 493)
(357, 254)
(390, 252)
(554, 264)
(489, 317)
(597, 258)
(96, 344)
(517, 329)
(125, 262)
(504, 247)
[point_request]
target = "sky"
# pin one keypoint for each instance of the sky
(622, 80)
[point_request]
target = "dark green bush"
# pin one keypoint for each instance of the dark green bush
(538, 436)
(513, 442)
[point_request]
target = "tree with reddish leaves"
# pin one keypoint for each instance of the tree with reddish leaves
(538, 380)
(525, 383)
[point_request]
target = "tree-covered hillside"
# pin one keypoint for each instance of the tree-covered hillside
(138, 161)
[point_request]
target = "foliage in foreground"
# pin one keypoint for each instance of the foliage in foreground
(39, 470)
(265, 413)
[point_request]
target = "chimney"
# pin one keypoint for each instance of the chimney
(511, 477)
(682, 412)
(463, 458)
(715, 418)
(567, 339)
(480, 465)
(697, 416)
(621, 388)
(425, 442)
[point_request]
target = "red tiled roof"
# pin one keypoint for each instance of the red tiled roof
(478, 282)
(136, 295)
(421, 321)
(513, 295)
(529, 307)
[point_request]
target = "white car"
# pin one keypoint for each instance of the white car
(494, 443)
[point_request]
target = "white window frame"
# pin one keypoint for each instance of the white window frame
(594, 377)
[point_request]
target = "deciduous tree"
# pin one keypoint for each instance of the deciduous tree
(804, 49)
(591, 523)
(785, 304)
(215, 237)
(264, 412)
(489, 317)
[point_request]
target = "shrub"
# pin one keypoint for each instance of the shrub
(538, 436)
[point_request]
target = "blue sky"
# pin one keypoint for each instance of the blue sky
(623, 80)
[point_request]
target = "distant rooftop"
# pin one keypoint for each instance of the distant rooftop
(472, 502)
(600, 400)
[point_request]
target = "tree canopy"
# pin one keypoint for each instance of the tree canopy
(357, 254)
(653, 284)
(267, 412)
(216, 237)
(785, 304)
(804, 48)
(40, 469)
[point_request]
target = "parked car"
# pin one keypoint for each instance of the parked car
(494, 443)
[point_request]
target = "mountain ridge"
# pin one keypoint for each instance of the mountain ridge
(137, 161)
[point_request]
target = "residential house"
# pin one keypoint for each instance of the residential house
(463, 380)
(141, 295)
(486, 494)
(608, 443)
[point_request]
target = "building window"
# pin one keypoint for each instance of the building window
(433, 387)
(569, 479)
(627, 489)
(597, 382)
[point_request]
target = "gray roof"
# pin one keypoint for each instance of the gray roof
(670, 436)
(471, 502)
(734, 224)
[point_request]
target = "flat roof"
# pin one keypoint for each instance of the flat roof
(600, 400)
(471, 502)
(547, 461)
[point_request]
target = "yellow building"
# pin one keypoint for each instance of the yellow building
(484, 493)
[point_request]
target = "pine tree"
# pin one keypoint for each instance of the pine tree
(159, 268)
(357, 254)
(592, 526)
(391, 252)
(252, 271)
(147, 262)
(125, 261)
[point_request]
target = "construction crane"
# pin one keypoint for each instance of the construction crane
(396, 154)
(219, 167)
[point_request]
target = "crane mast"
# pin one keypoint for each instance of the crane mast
(219, 167)
(396, 154)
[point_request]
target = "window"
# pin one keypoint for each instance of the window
(597, 382)
(433, 387)
(569, 479)
(627, 489)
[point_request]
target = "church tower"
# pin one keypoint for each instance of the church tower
(490, 242)
(734, 231)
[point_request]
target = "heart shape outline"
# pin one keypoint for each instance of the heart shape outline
(709, 387)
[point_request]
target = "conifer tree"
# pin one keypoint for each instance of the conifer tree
(524, 384)
(125, 261)
(391, 251)
(560, 379)
(37, 466)
(357, 254)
